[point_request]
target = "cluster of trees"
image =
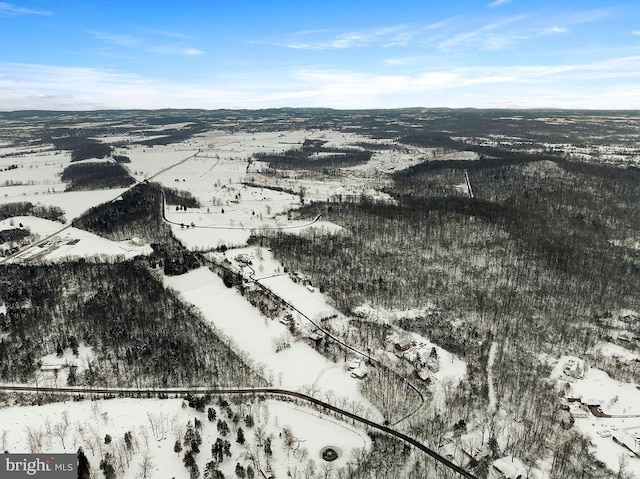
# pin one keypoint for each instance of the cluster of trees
(138, 213)
(13, 234)
(221, 447)
(528, 263)
(180, 197)
(141, 332)
(174, 135)
(313, 156)
(96, 176)
(26, 208)
(81, 147)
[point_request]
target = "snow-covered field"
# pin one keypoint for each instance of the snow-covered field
(296, 367)
(156, 424)
(73, 203)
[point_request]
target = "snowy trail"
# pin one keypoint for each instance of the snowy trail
(492, 393)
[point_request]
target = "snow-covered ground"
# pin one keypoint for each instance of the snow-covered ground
(616, 351)
(72, 243)
(41, 169)
(614, 398)
(156, 424)
(73, 203)
(296, 367)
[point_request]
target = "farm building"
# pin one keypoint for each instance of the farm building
(403, 345)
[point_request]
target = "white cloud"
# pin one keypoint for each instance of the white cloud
(554, 30)
(491, 36)
(398, 35)
(589, 16)
(168, 34)
(498, 3)
(122, 40)
(192, 52)
(148, 45)
(636, 32)
(611, 83)
(9, 10)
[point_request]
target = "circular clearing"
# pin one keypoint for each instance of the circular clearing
(330, 453)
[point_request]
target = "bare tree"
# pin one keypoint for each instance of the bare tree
(48, 430)
(60, 430)
(146, 465)
(34, 438)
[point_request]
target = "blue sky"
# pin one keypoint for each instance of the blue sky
(342, 54)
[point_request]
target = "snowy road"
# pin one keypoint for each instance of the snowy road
(246, 391)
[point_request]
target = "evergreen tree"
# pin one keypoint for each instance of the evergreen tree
(267, 447)
(240, 436)
(107, 467)
(72, 377)
(84, 470)
(248, 420)
(211, 414)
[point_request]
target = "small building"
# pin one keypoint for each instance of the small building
(433, 364)
(403, 345)
(425, 375)
(243, 259)
(574, 369)
(315, 336)
(354, 364)
(625, 336)
(577, 410)
(359, 373)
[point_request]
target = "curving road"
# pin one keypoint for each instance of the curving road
(334, 338)
(249, 391)
(351, 348)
